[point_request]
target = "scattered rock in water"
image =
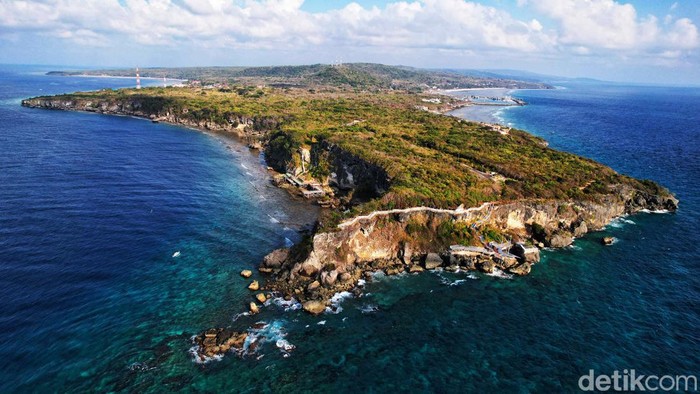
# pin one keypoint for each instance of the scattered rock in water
(314, 307)
(254, 308)
(246, 273)
(217, 341)
(254, 286)
(393, 270)
(261, 298)
(452, 268)
(432, 261)
(608, 240)
(522, 269)
(265, 270)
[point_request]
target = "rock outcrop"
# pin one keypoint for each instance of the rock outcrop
(387, 240)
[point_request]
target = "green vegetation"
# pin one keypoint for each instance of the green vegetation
(351, 76)
(431, 159)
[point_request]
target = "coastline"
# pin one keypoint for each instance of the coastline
(291, 276)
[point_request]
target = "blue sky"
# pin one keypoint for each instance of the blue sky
(638, 41)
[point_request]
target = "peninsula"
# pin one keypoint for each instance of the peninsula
(405, 187)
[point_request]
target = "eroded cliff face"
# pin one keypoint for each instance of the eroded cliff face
(414, 239)
(250, 129)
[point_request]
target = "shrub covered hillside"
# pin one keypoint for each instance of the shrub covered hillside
(431, 159)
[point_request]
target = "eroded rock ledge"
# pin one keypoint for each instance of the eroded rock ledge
(414, 239)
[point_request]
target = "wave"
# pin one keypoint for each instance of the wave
(368, 308)
(263, 333)
(287, 305)
(337, 298)
(497, 273)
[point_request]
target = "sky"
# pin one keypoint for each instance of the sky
(654, 41)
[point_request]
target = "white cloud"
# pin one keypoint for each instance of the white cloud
(609, 25)
(583, 27)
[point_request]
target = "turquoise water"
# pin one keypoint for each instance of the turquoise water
(93, 207)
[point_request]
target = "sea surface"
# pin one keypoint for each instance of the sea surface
(93, 208)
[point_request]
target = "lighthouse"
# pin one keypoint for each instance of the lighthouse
(138, 79)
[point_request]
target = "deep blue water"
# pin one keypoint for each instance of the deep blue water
(92, 208)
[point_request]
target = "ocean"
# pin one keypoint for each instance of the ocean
(93, 209)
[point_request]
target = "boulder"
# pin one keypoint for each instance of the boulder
(265, 270)
(308, 269)
(254, 308)
(329, 278)
(313, 285)
(608, 240)
(560, 239)
(261, 298)
(246, 273)
(275, 258)
(314, 307)
(254, 285)
(415, 268)
(405, 253)
(345, 277)
(452, 268)
(432, 261)
(393, 270)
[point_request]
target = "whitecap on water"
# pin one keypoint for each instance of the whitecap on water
(176, 254)
(272, 219)
(369, 308)
(321, 323)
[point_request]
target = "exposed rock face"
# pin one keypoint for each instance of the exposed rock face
(349, 172)
(384, 240)
(275, 258)
(432, 261)
(250, 129)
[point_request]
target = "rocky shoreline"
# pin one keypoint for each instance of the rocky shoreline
(334, 260)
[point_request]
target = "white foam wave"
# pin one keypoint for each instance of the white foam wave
(321, 323)
(176, 254)
(288, 305)
(369, 308)
(243, 165)
(337, 298)
(272, 219)
(497, 273)
(264, 333)
(655, 211)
